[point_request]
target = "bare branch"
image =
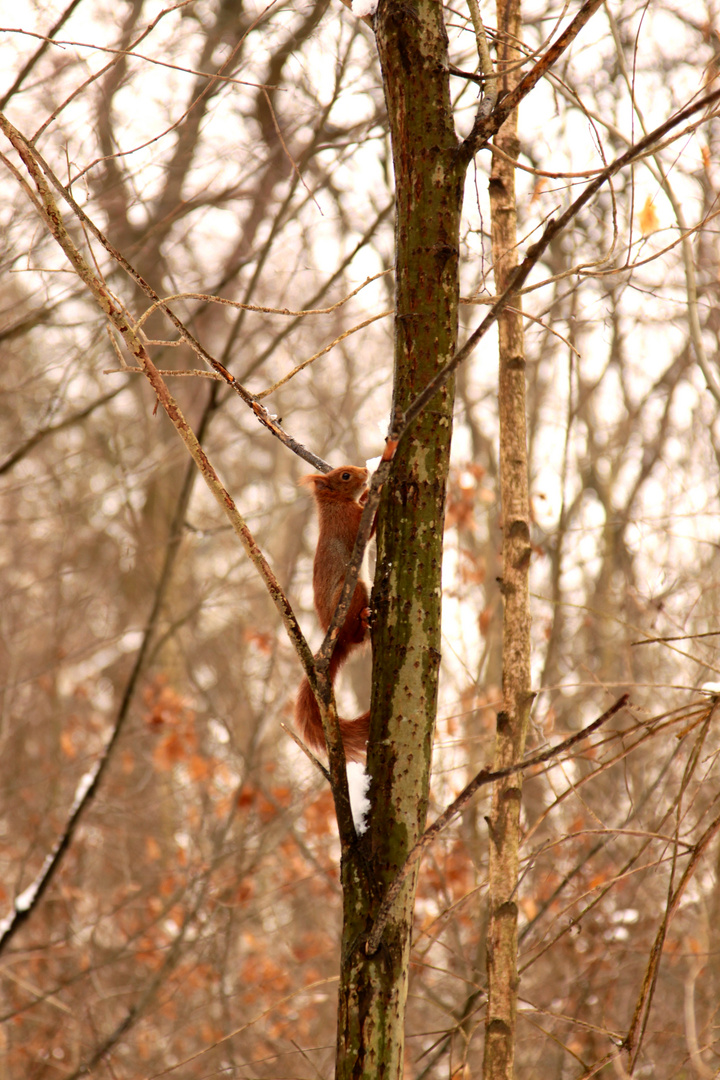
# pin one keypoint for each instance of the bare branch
(485, 126)
(262, 414)
(51, 429)
(485, 776)
(553, 229)
(318, 680)
(46, 42)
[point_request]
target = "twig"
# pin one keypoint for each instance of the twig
(311, 359)
(46, 42)
(677, 637)
(212, 79)
(208, 298)
(50, 429)
(287, 153)
(308, 753)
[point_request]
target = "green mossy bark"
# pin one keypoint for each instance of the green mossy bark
(412, 44)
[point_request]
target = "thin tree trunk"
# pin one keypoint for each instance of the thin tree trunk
(513, 717)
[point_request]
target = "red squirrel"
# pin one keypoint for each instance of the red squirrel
(336, 497)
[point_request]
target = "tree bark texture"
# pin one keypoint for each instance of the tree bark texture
(512, 720)
(412, 43)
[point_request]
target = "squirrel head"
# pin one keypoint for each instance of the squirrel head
(347, 481)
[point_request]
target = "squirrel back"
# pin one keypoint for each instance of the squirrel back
(336, 497)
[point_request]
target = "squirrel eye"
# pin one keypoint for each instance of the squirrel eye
(345, 476)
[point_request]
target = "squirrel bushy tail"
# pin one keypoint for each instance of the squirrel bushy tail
(307, 714)
(307, 718)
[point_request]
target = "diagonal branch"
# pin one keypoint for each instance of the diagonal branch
(136, 348)
(535, 252)
(25, 71)
(30, 153)
(486, 126)
(485, 776)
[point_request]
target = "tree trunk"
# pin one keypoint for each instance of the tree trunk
(406, 636)
(513, 718)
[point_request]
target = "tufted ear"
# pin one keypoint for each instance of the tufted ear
(311, 479)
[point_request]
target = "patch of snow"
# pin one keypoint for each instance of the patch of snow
(364, 7)
(84, 783)
(358, 786)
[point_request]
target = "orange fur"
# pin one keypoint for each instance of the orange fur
(336, 497)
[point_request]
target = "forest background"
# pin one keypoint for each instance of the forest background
(191, 924)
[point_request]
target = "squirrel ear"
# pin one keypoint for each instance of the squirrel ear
(311, 479)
